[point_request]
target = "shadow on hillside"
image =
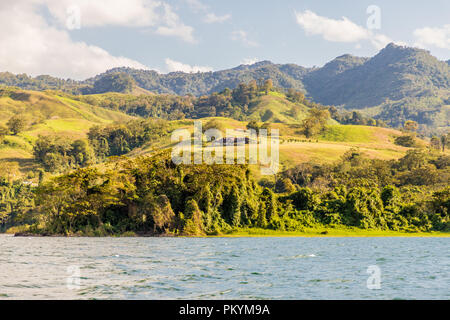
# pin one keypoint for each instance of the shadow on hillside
(25, 165)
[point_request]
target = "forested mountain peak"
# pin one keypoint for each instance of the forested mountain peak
(395, 72)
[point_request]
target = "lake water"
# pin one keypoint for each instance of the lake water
(223, 268)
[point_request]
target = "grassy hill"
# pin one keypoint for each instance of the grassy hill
(54, 113)
(295, 148)
(397, 84)
(274, 107)
(121, 191)
(48, 105)
(46, 113)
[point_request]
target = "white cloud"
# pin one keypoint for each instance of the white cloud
(35, 44)
(342, 30)
(212, 18)
(380, 41)
(173, 66)
(128, 13)
(209, 17)
(435, 37)
(30, 45)
(242, 36)
(131, 13)
(332, 30)
(250, 61)
(174, 27)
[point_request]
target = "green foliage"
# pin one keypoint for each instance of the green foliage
(406, 140)
(295, 96)
(16, 199)
(113, 82)
(193, 219)
(354, 117)
(3, 133)
(214, 124)
(151, 195)
(284, 185)
(268, 86)
(410, 126)
(121, 138)
(16, 124)
(316, 121)
(57, 154)
(445, 141)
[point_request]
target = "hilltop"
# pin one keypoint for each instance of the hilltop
(398, 84)
(295, 148)
(395, 73)
(102, 163)
(56, 114)
(50, 114)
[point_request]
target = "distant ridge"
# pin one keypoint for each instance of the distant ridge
(180, 83)
(398, 84)
(395, 73)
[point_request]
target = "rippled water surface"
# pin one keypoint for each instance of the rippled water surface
(223, 268)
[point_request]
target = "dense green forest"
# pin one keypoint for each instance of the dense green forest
(93, 158)
(151, 195)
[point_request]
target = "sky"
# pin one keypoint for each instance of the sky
(81, 38)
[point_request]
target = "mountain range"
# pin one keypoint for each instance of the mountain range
(397, 84)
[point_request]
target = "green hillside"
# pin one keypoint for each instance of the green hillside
(397, 84)
(108, 173)
(276, 108)
(180, 83)
(59, 115)
(47, 105)
(295, 148)
(49, 114)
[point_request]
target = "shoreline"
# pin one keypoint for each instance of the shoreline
(263, 233)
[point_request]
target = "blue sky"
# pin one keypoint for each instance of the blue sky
(80, 38)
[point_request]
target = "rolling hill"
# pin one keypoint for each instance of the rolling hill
(397, 84)
(41, 106)
(46, 113)
(395, 73)
(295, 148)
(55, 113)
(180, 83)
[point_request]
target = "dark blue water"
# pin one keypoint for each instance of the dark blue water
(223, 268)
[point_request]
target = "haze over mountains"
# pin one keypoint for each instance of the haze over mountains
(397, 84)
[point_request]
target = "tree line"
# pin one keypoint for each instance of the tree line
(151, 195)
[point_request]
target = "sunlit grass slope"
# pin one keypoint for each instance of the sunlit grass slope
(295, 148)
(47, 113)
